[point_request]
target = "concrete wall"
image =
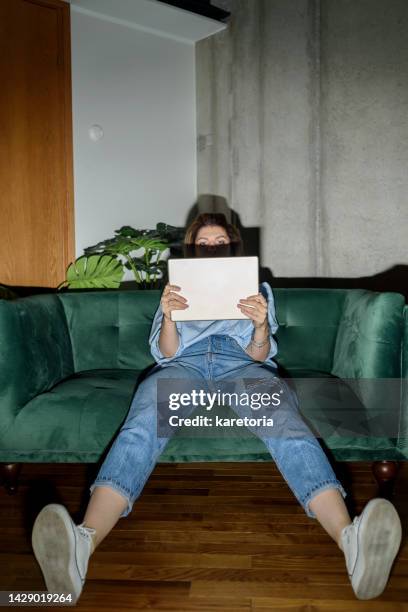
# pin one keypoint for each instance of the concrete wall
(140, 87)
(302, 116)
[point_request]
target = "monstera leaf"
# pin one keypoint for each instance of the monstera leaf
(95, 271)
(120, 245)
(123, 245)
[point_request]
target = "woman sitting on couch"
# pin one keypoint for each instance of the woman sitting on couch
(238, 348)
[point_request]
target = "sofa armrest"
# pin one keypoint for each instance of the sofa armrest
(35, 351)
(368, 341)
(368, 348)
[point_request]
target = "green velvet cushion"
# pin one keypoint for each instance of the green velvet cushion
(308, 322)
(84, 413)
(316, 400)
(74, 421)
(110, 329)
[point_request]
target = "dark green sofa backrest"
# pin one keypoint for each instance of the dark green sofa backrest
(111, 329)
(350, 333)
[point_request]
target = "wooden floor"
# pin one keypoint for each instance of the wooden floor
(203, 536)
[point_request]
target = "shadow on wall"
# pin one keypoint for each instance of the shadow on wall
(218, 204)
(393, 279)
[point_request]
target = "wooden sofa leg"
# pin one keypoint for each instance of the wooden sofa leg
(385, 473)
(9, 473)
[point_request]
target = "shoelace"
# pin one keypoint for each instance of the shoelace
(87, 532)
(355, 522)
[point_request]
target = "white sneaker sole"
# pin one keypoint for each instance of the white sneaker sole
(379, 539)
(54, 544)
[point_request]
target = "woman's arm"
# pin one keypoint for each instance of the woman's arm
(169, 337)
(260, 336)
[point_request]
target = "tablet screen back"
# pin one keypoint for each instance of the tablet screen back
(213, 286)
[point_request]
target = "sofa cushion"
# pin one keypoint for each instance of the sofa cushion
(74, 421)
(316, 401)
(84, 413)
(110, 329)
(308, 321)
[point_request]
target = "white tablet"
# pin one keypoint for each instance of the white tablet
(213, 286)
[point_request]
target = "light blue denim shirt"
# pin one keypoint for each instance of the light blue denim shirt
(194, 331)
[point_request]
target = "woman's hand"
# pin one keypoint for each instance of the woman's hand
(259, 312)
(259, 315)
(172, 301)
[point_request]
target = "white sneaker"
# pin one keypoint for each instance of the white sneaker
(62, 550)
(370, 544)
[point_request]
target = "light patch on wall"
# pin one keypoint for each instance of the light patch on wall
(95, 132)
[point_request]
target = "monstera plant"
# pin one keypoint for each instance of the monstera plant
(103, 265)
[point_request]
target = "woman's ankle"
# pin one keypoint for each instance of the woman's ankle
(94, 542)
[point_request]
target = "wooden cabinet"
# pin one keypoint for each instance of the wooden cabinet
(36, 169)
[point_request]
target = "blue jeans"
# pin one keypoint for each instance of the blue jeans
(134, 452)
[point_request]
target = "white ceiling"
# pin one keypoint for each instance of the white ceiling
(151, 16)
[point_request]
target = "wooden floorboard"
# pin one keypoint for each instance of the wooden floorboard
(203, 536)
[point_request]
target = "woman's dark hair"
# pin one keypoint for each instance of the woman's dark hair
(234, 248)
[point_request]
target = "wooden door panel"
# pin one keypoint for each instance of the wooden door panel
(35, 143)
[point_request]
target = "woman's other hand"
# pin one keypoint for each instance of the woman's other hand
(257, 309)
(172, 301)
(169, 339)
(259, 346)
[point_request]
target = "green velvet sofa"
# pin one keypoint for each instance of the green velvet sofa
(70, 363)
